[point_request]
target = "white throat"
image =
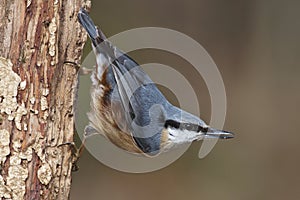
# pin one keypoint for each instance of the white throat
(179, 136)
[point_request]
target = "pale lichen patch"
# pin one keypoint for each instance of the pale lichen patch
(46, 115)
(26, 155)
(28, 3)
(9, 82)
(16, 145)
(44, 103)
(16, 180)
(15, 160)
(52, 37)
(44, 174)
(4, 145)
(39, 63)
(25, 127)
(38, 148)
(17, 171)
(18, 115)
(17, 174)
(4, 151)
(4, 190)
(31, 108)
(23, 85)
(45, 91)
(32, 100)
(4, 138)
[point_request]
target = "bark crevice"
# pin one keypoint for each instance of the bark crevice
(37, 96)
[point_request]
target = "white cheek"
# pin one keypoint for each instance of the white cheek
(183, 136)
(172, 134)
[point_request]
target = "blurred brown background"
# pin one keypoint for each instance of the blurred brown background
(256, 47)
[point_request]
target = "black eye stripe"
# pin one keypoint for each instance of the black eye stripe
(172, 123)
(185, 126)
(202, 129)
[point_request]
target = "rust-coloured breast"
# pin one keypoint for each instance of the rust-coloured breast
(164, 138)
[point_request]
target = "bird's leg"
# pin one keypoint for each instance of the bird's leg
(79, 68)
(76, 152)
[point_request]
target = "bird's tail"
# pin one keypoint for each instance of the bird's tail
(94, 33)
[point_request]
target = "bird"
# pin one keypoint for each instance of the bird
(127, 107)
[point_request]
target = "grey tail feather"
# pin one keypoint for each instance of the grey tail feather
(85, 20)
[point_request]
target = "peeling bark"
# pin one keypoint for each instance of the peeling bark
(37, 93)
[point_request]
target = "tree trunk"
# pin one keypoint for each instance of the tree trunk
(37, 93)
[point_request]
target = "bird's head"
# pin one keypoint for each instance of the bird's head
(174, 127)
(182, 128)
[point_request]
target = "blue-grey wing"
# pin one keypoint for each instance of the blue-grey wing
(142, 103)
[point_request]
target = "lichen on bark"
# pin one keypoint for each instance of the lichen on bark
(37, 96)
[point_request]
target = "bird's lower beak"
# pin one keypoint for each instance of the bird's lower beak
(215, 133)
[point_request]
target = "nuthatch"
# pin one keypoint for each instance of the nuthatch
(128, 108)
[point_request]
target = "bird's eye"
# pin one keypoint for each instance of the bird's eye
(190, 127)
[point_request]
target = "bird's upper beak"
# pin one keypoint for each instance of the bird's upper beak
(215, 133)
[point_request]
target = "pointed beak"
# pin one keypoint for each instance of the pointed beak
(215, 133)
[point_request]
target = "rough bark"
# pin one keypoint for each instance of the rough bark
(37, 93)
